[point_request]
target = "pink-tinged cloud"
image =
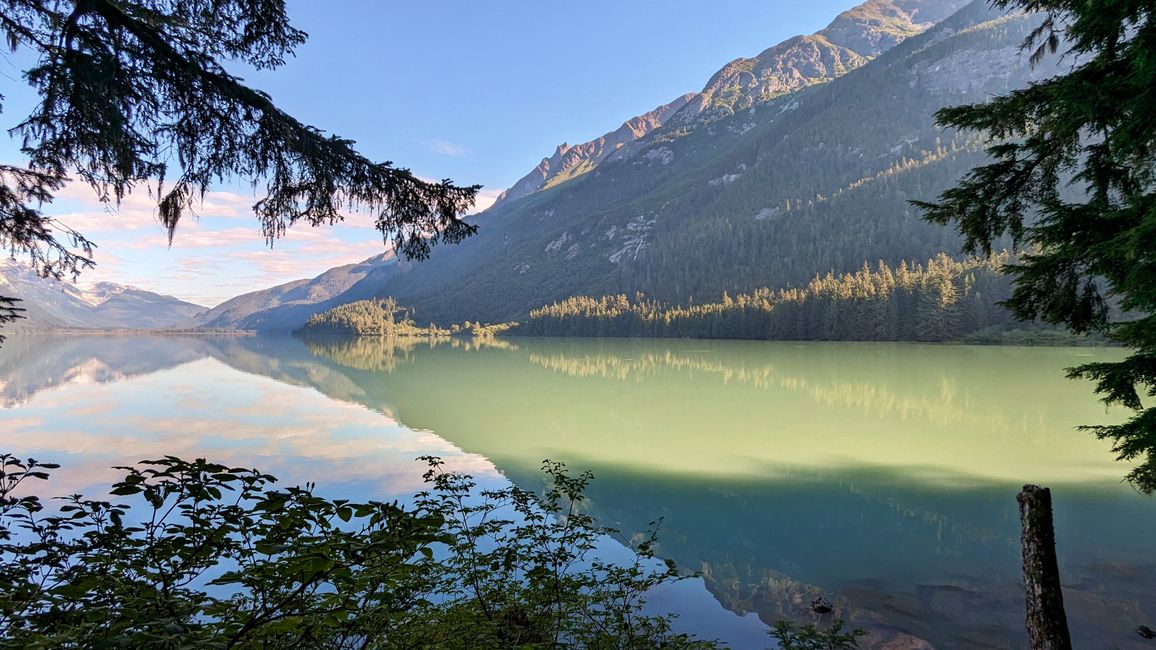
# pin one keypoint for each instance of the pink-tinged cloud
(194, 237)
(485, 199)
(143, 198)
(215, 255)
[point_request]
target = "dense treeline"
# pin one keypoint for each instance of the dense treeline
(942, 300)
(384, 317)
(378, 317)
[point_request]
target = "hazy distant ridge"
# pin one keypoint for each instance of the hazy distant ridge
(51, 304)
(293, 302)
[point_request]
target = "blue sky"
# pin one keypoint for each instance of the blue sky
(477, 92)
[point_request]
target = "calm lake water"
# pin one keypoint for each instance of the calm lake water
(881, 475)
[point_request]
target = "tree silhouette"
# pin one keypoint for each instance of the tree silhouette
(134, 92)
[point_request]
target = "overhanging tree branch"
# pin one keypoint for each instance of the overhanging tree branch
(134, 91)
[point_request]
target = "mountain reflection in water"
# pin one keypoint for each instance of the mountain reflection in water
(881, 475)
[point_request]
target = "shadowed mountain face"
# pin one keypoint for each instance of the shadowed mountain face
(812, 181)
(883, 476)
(52, 304)
(288, 306)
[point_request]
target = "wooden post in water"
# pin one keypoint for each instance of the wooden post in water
(1047, 624)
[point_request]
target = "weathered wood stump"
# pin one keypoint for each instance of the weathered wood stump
(1047, 624)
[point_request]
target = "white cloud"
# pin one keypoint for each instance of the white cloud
(446, 148)
(485, 199)
(217, 253)
(141, 205)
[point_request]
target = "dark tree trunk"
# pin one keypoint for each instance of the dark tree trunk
(1047, 624)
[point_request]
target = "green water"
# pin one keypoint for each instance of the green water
(881, 475)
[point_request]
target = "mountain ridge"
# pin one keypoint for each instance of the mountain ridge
(296, 299)
(854, 37)
(814, 181)
(807, 189)
(567, 161)
(53, 304)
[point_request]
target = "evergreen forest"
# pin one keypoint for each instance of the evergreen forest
(941, 300)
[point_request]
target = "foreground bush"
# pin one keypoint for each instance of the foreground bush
(195, 554)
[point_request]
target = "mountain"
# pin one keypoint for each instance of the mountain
(812, 181)
(51, 304)
(852, 39)
(289, 305)
(878, 25)
(744, 83)
(568, 162)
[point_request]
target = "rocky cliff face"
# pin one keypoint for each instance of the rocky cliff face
(569, 161)
(744, 83)
(878, 25)
(853, 38)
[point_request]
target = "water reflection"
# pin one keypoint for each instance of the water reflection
(93, 402)
(30, 364)
(883, 475)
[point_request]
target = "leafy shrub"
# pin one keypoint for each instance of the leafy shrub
(196, 554)
(811, 637)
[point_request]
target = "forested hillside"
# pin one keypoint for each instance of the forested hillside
(814, 181)
(944, 300)
(766, 198)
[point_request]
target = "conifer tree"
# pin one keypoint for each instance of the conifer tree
(1072, 179)
(134, 92)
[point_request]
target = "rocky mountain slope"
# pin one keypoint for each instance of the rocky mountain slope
(818, 179)
(853, 38)
(51, 304)
(878, 25)
(568, 162)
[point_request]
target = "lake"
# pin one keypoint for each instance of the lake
(881, 475)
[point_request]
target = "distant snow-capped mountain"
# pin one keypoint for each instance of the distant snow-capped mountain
(52, 304)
